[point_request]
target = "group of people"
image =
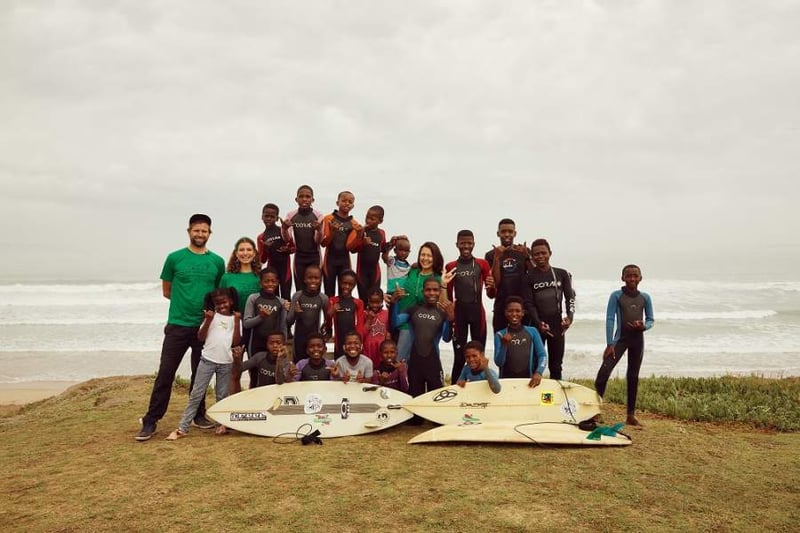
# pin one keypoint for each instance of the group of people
(390, 337)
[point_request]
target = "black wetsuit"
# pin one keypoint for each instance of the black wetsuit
(548, 290)
(512, 283)
(269, 244)
(466, 290)
(368, 269)
(337, 257)
(304, 232)
(428, 326)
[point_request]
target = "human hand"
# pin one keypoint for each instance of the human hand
(461, 383)
(566, 322)
(447, 307)
(285, 223)
(609, 351)
(265, 311)
(489, 282)
(447, 277)
(360, 376)
(208, 314)
(544, 327)
(536, 379)
(505, 339)
(287, 304)
(237, 352)
(636, 325)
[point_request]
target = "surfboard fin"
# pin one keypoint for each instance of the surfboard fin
(610, 431)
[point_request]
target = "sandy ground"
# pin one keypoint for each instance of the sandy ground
(31, 391)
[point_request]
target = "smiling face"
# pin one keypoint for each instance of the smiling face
(199, 234)
(315, 349)
(312, 278)
(541, 256)
(473, 358)
(465, 246)
(425, 258)
(222, 305)
(375, 303)
(269, 283)
(245, 253)
(431, 291)
(506, 232)
(346, 285)
(514, 314)
(352, 346)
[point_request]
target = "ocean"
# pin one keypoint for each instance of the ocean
(78, 331)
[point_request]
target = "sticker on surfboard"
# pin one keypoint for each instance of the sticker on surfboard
(547, 398)
(248, 416)
(445, 395)
(469, 420)
(569, 408)
(313, 404)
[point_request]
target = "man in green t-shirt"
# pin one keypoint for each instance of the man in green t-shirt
(188, 275)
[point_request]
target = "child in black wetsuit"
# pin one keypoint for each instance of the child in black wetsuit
(626, 307)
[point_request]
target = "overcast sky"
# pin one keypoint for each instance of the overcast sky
(621, 130)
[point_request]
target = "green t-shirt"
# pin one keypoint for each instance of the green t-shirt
(245, 283)
(192, 277)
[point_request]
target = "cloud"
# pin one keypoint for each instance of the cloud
(676, 123)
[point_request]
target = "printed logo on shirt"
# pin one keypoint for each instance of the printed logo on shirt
(545, 285)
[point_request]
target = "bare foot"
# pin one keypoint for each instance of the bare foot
(221, 430)
(175, 435)
(632, 421)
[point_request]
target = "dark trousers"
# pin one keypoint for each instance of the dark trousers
(331, 271)
(470, 323)
(285, 280)
(633, 342)
(301, 263)
(424, 374)
(499, 318)
(177, 339)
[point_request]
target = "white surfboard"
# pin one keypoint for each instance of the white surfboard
(334, 408)
(551, 401)
(520, 433)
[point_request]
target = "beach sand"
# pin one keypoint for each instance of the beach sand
(31, 391)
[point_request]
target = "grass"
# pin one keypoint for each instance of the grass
(70, 463)
(761, 402)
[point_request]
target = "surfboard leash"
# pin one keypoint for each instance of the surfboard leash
(310, 436)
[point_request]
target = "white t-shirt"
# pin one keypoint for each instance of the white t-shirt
(217, 347)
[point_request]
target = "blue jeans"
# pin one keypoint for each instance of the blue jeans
(222, 388)
(404, 342)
